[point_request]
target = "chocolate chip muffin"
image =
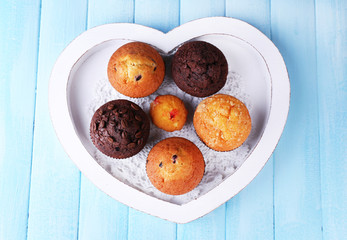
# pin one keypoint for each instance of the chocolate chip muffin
(136, 70)
(119, 129)
(199, 68)
(175, 166)
(222, 122)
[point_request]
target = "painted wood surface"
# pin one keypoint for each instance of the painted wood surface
(331, 27)
(301, 192)
(255, 202)
(55, 181)
(297, 207)
(19, 31)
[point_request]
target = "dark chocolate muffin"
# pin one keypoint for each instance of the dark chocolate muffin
(199, 68)
(119, 129)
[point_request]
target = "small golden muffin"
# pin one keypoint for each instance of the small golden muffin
(136, 70)
(222, 122)
(175, 166)
(168, 113)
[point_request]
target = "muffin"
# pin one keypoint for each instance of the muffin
(175, 166)
(168, 113)
(222, 122)
(136, 70)
(119, 129)
(199, 68)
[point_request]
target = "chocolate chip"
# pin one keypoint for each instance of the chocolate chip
(138, 134)
(124, 123)
(126, 116)
(135, 107)
(174, 157)
(124, 134)
(138, 117)
(138, 77)
(147, 161)
(131, 145)
(140, 141)
(123, 110)
(155, 68)
(161, 164)
(110, 106)
(117, 148)
(115, 68)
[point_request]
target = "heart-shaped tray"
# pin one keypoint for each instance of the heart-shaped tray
(257, 76)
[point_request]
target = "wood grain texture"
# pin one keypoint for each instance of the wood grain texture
(249, 215)
(211, 226)
(162, 15)
(297, 173)
(55, 181)
(19, 28)
(195, 9)
(102, 217)
(109, 11)
(331, 25)
(255, 202)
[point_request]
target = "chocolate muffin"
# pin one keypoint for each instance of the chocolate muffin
(199, 68)
(175, 166)
(119, 129)
(136, 70)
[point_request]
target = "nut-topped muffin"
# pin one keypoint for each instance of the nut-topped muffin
(119, 129)
(168, 113)
(222, 122)
(199, 68)
(136, 70)
(175, 166)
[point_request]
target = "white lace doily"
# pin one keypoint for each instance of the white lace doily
(132, 171)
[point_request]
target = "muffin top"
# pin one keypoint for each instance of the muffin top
(199, 68)
(175, 166)
(119, 129)
(222, 122)
(168, 113)
(136, 69)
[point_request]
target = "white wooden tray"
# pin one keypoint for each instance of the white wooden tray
(249, 53)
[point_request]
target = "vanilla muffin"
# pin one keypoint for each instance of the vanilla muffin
(168, 113)
(136, 70)
(175, 166)
(222, 122)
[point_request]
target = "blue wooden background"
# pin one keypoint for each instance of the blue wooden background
(300, 194)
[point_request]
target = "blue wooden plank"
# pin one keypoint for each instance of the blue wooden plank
(256, 200)
(331, 25)
(162, 15)
(194, 9)
(296, 159)
(19, 28)
(101, 217)
(109, 11)
(211, 226)
(55, 181)
(157, 14)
